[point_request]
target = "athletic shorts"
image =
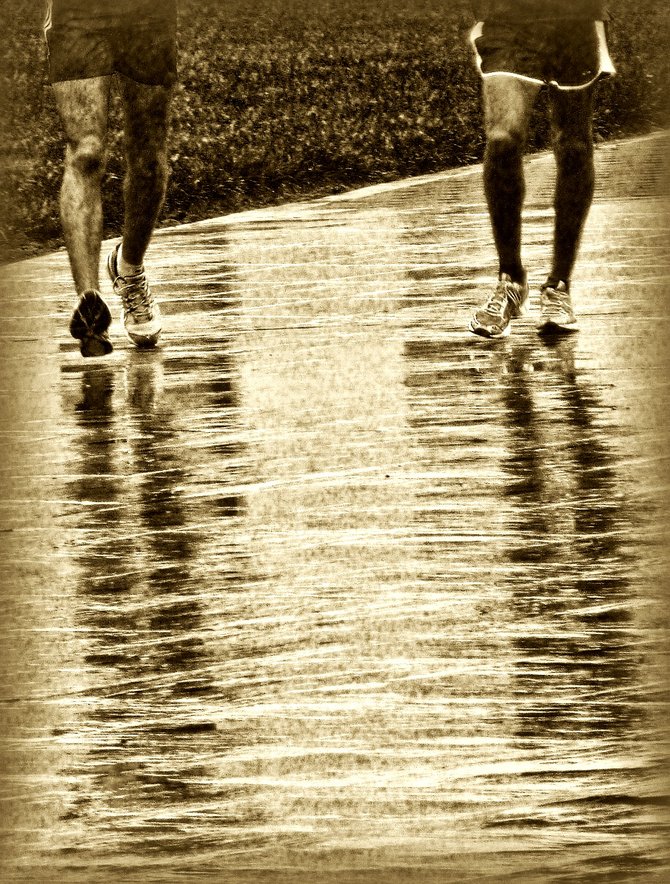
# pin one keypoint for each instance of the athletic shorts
(84, 43)
(568, 54)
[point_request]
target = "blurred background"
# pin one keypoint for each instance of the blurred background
(285, 99)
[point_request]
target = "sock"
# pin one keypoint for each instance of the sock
(553, 281)
(126, 269)
(517, 274)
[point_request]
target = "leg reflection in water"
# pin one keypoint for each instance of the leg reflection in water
(571, 570)
(531, 558)
(581, 703)
(142, 542)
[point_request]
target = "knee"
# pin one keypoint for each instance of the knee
(573, 152)
(87, 156)
(503, 144)
(147, 167)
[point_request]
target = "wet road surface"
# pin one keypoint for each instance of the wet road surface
(325, 588)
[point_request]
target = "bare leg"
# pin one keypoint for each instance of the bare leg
(508, 101)
(83, 107)
(575, 176)
(146, 127)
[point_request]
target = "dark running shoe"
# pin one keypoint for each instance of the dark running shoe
(89, 325)
(492, 320)
(556, 314)
(141, 314)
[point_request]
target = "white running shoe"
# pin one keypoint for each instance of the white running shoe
(556, 313)
(141, 314)
(508, 302)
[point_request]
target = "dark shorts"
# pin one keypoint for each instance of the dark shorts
(84, 44)
(569, 54)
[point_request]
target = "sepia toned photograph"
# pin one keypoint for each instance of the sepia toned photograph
(334, 448)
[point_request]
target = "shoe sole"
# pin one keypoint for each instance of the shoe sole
(483, 332)
(144, 343)
(551, 327)
(89, 324)
(95, 345)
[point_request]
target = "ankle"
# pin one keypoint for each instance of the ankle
(516, 274)
(125, 267)
(553, 281)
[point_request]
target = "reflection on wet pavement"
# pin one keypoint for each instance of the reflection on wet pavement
(325, 588)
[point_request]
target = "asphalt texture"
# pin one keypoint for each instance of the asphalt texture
(326, 588)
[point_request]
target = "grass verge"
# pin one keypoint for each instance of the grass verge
(280, 99)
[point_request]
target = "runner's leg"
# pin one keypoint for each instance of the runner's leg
(146, 127)
(508, 101)
(83, 108)
(572, 140)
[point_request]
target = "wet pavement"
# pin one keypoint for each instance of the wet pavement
(326, 589)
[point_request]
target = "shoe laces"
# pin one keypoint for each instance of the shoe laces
(555, 297)
(136, 295)
(497, 301)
